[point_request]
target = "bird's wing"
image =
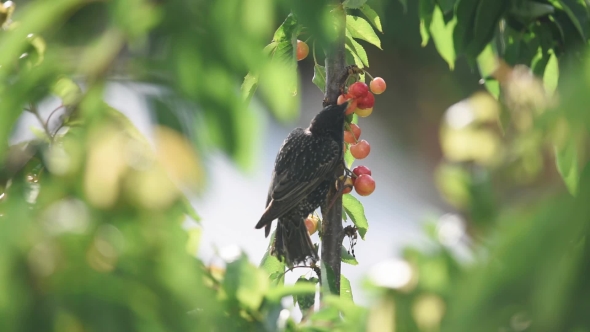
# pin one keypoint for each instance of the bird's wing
(302, 164)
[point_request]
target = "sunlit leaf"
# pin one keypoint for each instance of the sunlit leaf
(359, 28)
(372, 17)
(356, 212)
(442, 35)
(249, 86)
(272, 265)
(551, 75)
(358, 49)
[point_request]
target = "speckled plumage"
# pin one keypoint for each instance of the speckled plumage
(304, 170)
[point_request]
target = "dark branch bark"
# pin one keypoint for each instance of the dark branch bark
(332, 232)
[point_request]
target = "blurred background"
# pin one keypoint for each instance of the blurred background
(92, 202)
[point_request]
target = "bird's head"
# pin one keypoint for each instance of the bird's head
(330, 119)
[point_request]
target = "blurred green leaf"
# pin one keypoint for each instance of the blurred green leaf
(346, 257)
(354, 4)
(426, 11)
(551, 75)
(487, 63)
(442, 35)
(487, 16)
(356, 212)
(372, 17)
(530, 10)
(566, 158)
(249, 87)
(359, 28)
(319, 77)
(463, 32)
(578, 15)
(447, 5)
(272, 265)
(305, 301)
(405, 5)
(275, 294)
(245, 283)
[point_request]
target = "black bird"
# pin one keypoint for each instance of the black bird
(304, 170)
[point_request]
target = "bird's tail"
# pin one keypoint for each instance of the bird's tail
(293, 243)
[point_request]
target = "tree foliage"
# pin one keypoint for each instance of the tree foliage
(91, 213)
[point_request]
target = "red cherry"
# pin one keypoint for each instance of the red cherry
(360, 150)
(359, 170)
(302, 50)
(351, 136)
(342, 99)
(358, 90)
(366, 102)
(364, 185)
(378, 85)
(351, 107)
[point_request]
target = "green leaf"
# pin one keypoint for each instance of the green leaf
(344, 215)
(358, 50)
(345, 289)
(306, 301)
(353, 3)
(249, 87)
(426, 11)
(551, 74)
(359, 28)
(405, 5)
(245, 283)
(447, 6)
(463, 33)
(356, 212)
(285, 31)
(530, 10)
(486, 63)
(372, 17)
(487, 17)
(347, 258)
(577, 14)
(567, 165)
(272, 265)
(348, 158)
(328, 280)
(353, 56)
(277, 293)
(189, 210)
(319, 77)
(442, 35)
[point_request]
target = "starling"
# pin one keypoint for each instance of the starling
(304, 170)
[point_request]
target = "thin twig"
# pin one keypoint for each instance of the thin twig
(33, 109)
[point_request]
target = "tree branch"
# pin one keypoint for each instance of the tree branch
(332, 232)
